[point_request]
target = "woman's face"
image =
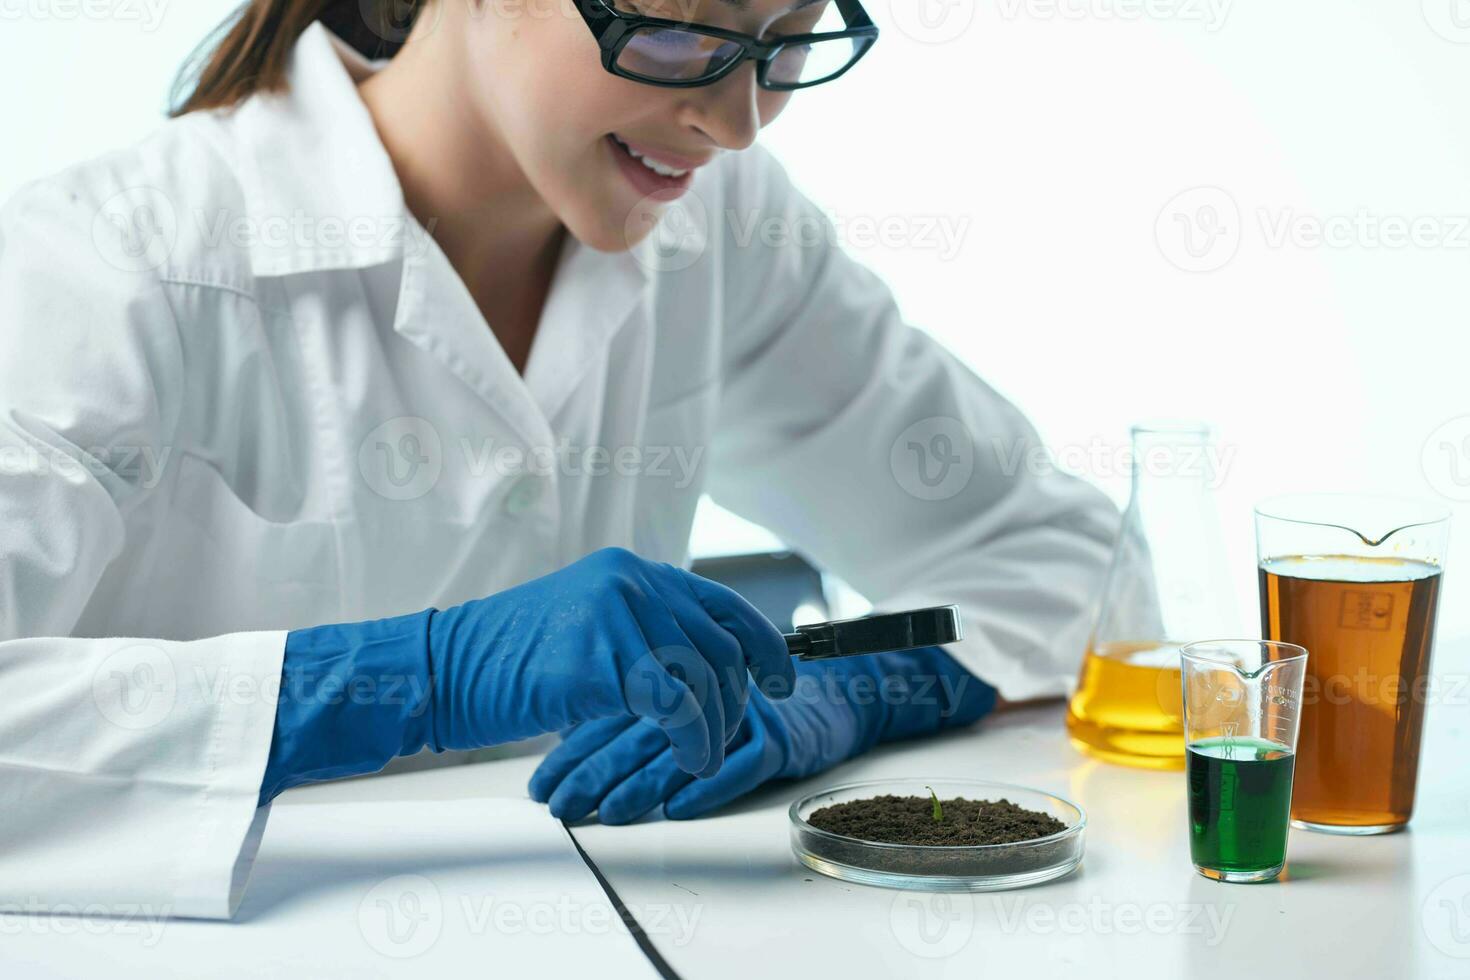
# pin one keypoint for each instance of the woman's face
(538, 83)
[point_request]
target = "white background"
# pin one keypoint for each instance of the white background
(1056, 139)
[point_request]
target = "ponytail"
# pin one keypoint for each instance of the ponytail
(248, 53)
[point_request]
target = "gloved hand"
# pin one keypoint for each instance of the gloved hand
(623, 767)
(612, 635)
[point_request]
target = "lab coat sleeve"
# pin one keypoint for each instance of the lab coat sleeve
(864, 443)
(130, 768)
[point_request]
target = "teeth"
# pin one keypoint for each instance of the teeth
(653, 165)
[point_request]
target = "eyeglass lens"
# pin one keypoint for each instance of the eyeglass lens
(671, 54)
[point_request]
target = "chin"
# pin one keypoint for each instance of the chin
(601, 238)
(615, 230)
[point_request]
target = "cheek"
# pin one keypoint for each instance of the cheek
(769, 105)
(567, 95)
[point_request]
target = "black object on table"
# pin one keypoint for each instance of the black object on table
(882, 633)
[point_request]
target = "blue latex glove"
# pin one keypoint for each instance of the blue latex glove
(623, 768)
(611, 635)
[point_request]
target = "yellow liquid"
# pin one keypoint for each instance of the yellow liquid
(1128, 707)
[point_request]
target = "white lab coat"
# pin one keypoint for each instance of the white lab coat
(242, 391)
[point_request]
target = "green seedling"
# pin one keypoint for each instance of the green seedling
(938, 811)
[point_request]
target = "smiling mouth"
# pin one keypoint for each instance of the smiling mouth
(657, 166)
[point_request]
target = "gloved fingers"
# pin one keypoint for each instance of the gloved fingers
(583, 789)
(576, 745)
(707, 705)
(718, 646)
(764, 647)
(644, 790)
(748, 767)
(652, 785)
(682, 718)
(673, 684)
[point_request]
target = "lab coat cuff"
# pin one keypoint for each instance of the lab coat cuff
(216, 864)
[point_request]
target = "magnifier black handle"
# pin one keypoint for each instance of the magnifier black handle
(876, 634)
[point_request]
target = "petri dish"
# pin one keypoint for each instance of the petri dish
(974, 868)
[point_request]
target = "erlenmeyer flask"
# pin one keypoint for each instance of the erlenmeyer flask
(1166, 586)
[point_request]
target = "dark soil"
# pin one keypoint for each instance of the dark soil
(910, 820)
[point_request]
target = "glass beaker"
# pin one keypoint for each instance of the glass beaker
(1166, 585)
(1242, 707)
(1354, 579)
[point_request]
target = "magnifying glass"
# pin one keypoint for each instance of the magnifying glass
(883, 633)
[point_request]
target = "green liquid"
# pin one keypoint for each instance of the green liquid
(1239, 803)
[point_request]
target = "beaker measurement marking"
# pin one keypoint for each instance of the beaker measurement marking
(1366, 610)
(1281, 695)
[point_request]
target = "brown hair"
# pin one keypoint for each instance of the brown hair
(249, 51)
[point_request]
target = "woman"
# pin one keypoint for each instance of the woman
(415, 348)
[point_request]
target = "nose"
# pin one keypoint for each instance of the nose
(729, 111)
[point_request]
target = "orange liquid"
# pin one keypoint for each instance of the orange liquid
(1128, 707)
(1367, 624)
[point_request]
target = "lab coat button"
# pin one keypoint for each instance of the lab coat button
(522, 496)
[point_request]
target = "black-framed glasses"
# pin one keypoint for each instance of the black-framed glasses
(678, 54)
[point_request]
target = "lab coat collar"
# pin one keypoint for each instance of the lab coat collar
(593, 296)
(320, 188)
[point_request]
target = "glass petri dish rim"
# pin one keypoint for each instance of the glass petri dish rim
(800, 822)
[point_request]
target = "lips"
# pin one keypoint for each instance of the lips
(675, 161)
(645, 181)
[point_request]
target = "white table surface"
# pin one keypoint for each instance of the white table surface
(734, 902)
(362, 889)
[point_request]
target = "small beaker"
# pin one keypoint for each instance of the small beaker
(1242, 707)
(1356, 580)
